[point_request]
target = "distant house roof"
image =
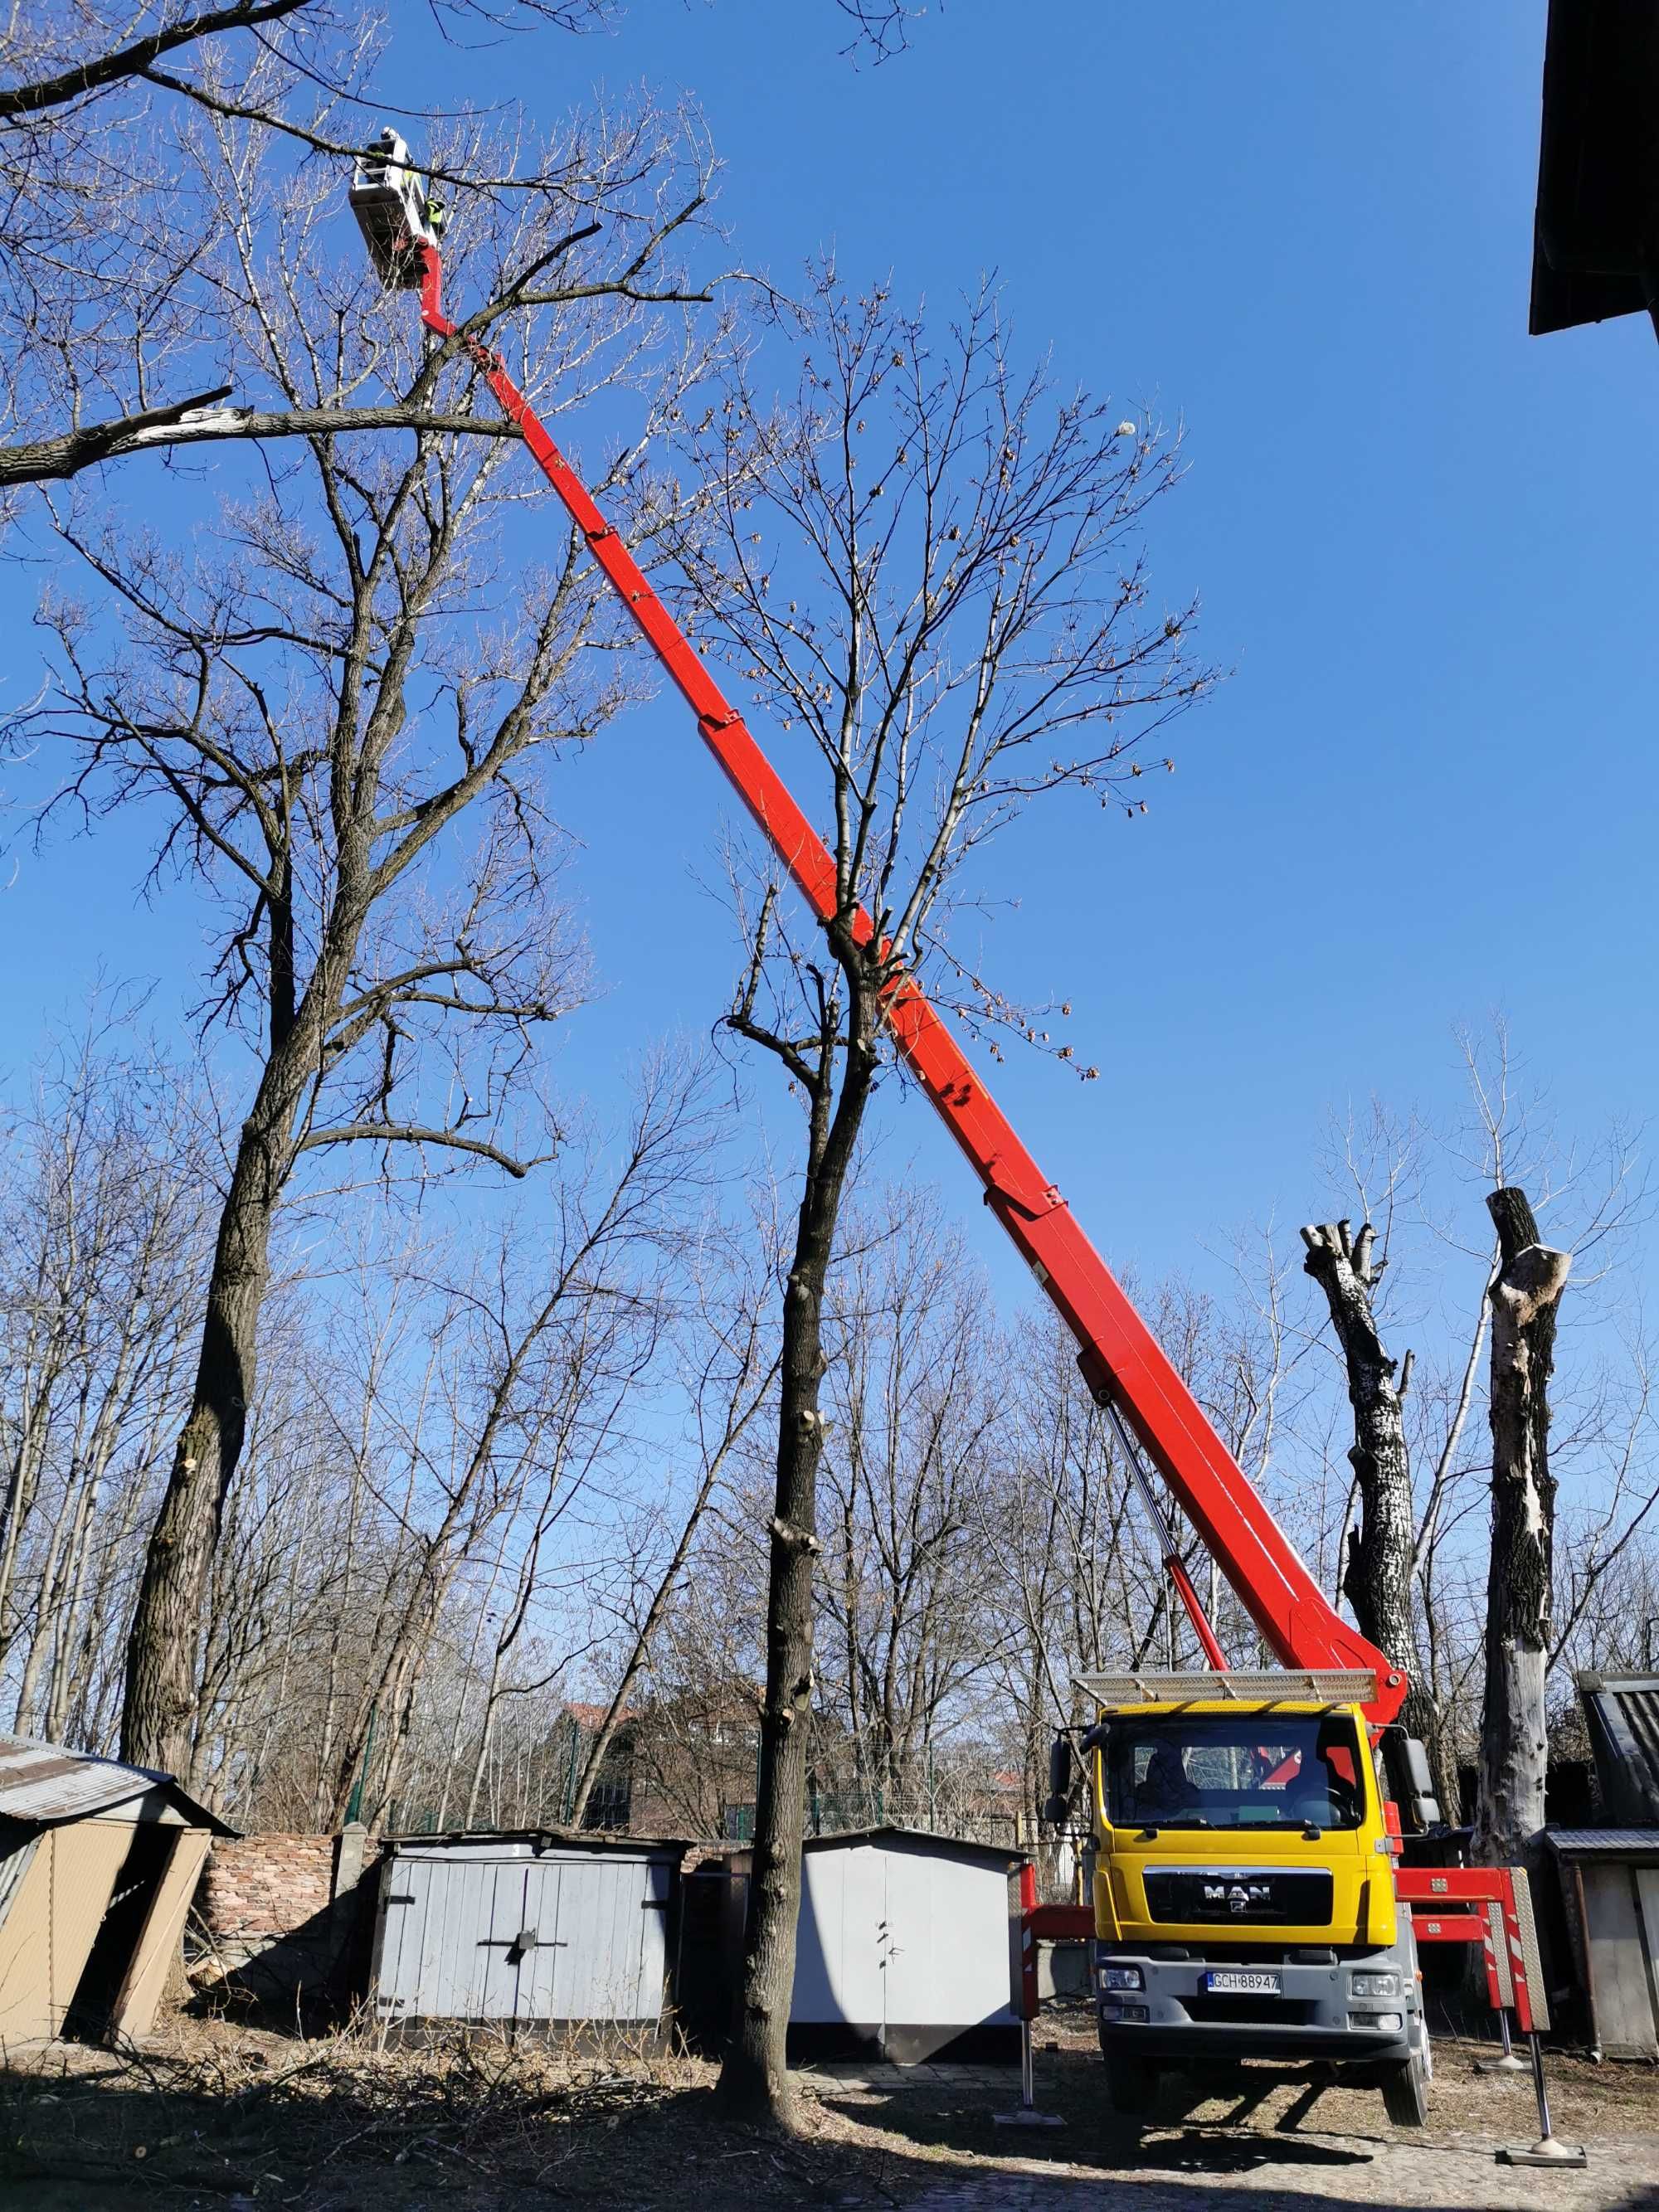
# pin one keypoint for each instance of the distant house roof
(593, 1717)
(45, 1784)
(1622, 1714)
(957, 1847)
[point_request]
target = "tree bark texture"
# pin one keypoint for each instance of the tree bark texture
(1525, 1297)
(163, 1645)
(159, 1709)
(1377, 1574)
(755, 2079)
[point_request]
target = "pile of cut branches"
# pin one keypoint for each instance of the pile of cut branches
(244, 2116)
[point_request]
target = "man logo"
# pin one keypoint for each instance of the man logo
(1238, 1896)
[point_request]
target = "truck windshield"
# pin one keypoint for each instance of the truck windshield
(1227, 1771)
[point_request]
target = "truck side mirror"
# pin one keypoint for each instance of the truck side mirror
(1059, 1780)
(1425, 1806)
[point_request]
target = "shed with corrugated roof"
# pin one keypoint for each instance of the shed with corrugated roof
(907, 1943)
(1621, 1712)
(1610, 1874)
(98, 1863)
(527, 1928)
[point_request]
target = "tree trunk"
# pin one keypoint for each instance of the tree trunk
(1509, 1806)
(163, 1653)
(754, 2079)
(1377, 1574)
(164, 1644)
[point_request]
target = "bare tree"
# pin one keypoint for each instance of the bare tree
(441, 1457)
(296, 716)
(103, 1241)
(534, 1362)
(1416, 1570)
(933, 569)
(108, 257)
(1598, 1543)
(730, 1351)
(915, 1400)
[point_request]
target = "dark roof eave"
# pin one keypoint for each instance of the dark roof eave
(889, 1833)
(599, 1839)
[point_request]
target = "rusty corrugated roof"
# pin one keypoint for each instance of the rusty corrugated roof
(43, 1783)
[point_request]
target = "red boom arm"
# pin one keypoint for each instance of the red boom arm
(1121, 1361)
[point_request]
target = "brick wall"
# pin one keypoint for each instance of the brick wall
(285, 1917)
(256, 1888)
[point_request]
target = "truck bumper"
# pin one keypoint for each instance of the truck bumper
(1313, 2015)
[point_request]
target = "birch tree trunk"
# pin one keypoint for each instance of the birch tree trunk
(1376, 1573)
(1509, 1817)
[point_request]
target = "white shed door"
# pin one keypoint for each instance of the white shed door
(944, 1946)
(841, 1938)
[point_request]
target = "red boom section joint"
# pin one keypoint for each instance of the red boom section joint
(1120, 1359)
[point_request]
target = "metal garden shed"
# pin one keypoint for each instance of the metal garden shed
(1610, 1876)
(98, 1863)
(907, 1943)
(1610, 1886)
(526, 1931)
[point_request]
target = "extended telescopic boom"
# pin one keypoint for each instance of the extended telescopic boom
(1121, 1361)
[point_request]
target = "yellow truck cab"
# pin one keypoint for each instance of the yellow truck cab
(1243, 1884)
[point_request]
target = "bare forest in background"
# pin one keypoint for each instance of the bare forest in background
(481, 1461)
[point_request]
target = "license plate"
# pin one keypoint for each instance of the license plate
(1241, 1982)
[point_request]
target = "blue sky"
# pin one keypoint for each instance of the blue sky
(1423, 543)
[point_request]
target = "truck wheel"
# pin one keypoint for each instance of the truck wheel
(1131, 2085)
(1405, 2093)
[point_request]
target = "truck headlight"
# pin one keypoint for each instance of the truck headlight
(1120, 1977)
(1374, 1985)
(1379, 2023)
(1124, 2012)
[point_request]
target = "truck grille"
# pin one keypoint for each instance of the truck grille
(1231, 1897)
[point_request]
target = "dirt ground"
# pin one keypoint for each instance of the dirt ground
(240, 2120)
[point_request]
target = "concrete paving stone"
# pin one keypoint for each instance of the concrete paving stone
(1314, 2174)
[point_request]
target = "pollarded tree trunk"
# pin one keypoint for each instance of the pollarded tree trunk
(1510, 1808)
(1377, 1575)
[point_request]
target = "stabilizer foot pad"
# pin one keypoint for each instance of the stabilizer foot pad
(1551, 2151)
(1025, 2119)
